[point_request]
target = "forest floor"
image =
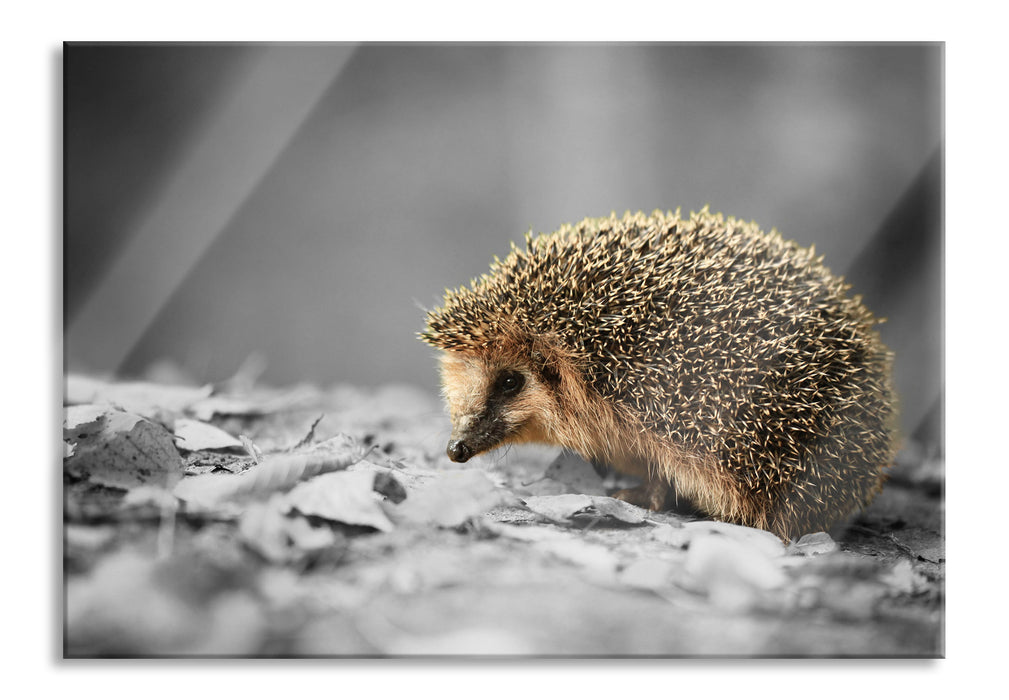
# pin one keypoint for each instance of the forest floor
(237, 520)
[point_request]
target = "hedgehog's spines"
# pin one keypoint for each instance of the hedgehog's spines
(707, 334)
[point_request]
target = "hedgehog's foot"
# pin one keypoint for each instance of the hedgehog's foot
(651, 495)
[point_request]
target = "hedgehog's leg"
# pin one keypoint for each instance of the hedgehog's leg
(600, 467)
(651, 494)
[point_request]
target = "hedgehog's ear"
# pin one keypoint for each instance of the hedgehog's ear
(545, 368)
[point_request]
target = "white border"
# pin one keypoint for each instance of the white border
(975, 283)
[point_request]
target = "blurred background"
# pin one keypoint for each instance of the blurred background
(304, 203)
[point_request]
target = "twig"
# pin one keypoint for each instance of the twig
(307, 440)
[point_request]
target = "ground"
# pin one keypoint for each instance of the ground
(238, 520)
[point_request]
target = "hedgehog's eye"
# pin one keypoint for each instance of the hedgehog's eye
(509, 383)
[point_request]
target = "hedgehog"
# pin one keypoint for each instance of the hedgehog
(717, 363)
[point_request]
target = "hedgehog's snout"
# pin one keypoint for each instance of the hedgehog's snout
(459, 451)
(474, 434)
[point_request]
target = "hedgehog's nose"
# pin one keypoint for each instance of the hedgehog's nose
(458, 451)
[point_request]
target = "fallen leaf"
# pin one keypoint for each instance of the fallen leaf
(263, 527)
(274, 473)
(920, 543)
(251, 448)
(346, 497)
(123, 450)
(260, 403)
(450, 499)
(570, 470)
(308, 537)
(143, 398)
(564, 508)
(194, 435)
(82, 421)
(559, 508)
(594, 557)
(598, 559)
(767, 542)
(732, 574)
(619, 510)
(673, 536)
(282, 537)
(812, 544)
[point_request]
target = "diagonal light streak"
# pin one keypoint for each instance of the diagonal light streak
(242, 138)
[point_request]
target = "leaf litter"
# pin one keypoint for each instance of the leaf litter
(344, 504)
(195, 435)
(119, 449)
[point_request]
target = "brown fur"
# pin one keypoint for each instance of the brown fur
(576, 418)
(704, 356)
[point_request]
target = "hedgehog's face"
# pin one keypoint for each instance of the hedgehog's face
(494, 402)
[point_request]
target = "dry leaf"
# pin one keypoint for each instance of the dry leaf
(81, 421)
(597, 558)
(123, 450)
(274, 473)
(671, 535)
(450, 499)
(573, 472)
(566, 507)
(563, 545)
(767, 542)
(251, 448)
(281, 538)
(194, 435)
(619, 510)
(733, 574)
(143, 398)
(812, 544)
(308, 537)
(560, 508)
(263, 527)
(260, 403)
(347, 497)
